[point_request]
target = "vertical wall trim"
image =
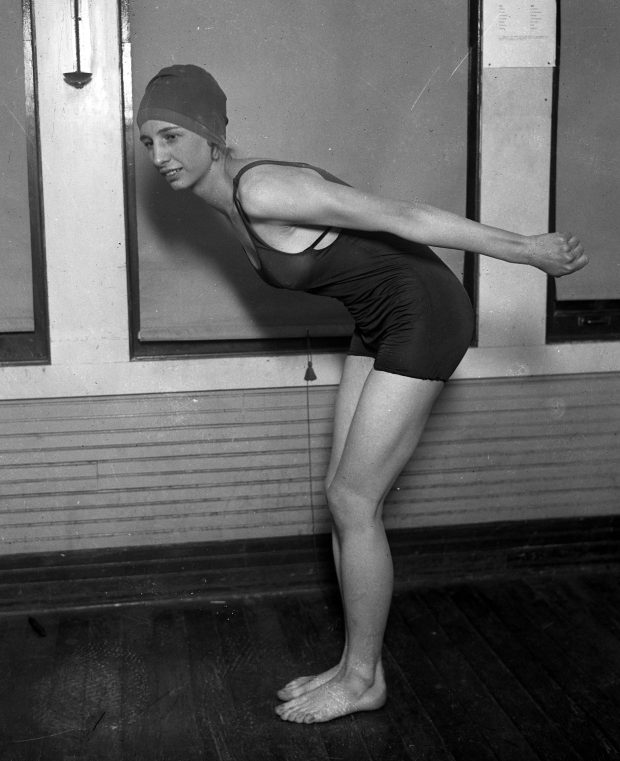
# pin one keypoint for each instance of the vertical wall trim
(515, 147)
(84, 216)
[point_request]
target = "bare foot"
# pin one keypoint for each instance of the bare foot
(337, 697)
(304, 684)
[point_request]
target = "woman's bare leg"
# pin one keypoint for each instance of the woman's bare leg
(354, 375)
(386, 427)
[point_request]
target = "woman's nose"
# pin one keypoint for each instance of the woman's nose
(159, 155)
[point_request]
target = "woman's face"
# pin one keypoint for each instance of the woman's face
(182, 157)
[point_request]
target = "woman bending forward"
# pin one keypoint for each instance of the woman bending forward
(304, 229)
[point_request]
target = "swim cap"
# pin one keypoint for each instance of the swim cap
(188, 96)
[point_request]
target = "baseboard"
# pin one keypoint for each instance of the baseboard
(224, 570)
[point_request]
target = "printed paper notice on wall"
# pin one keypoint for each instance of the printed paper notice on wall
(518, 33)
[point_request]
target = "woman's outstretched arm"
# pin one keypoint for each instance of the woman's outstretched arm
(293, 196)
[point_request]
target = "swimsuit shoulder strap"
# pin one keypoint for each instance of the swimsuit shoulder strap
(251, 165)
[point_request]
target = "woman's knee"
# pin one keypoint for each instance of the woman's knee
(350, 509)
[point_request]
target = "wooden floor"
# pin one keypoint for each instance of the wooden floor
(516, 670)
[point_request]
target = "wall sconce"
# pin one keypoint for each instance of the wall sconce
(77, 78)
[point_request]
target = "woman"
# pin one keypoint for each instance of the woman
(305, 229)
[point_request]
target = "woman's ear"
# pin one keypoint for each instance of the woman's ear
(216, 152)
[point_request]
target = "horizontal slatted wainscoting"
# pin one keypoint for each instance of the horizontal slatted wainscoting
(166, 468)
(174, 468)
(514, 449)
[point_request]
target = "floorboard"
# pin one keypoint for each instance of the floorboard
(466, 687)
(552, 644)
(453, 720)
(522, 708)
(580, 732)
(498, 670)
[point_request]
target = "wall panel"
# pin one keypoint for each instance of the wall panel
(588, 144)
(16, 303)
(374, 93)
(154, 469)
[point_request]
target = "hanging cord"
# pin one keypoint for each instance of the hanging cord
(309, 376)
(76, 27)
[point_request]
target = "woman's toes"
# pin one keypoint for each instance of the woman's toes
(294, 688)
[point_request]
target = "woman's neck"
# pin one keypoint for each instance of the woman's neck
(216, 188)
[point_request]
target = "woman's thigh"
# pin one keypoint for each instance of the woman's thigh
(354, 375)
(384, 430)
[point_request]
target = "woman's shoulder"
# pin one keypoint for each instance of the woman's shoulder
(262, 183)
(259, 176)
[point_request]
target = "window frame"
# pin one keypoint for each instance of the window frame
(162, 349)
(573, 320)
(32, 347)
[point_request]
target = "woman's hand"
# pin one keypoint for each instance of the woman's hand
(557, 254)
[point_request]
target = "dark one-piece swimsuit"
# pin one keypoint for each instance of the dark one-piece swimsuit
(411, 312)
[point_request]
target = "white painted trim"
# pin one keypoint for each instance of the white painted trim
(515, 160)
(82, 180)
(225, 373)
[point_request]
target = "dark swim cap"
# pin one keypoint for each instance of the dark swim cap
(188, 96)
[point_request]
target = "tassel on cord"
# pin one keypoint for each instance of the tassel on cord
(310, 374)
